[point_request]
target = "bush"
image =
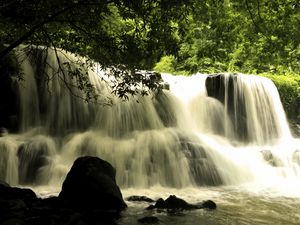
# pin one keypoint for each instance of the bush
(289, 90)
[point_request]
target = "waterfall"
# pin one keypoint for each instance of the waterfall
(205, 130)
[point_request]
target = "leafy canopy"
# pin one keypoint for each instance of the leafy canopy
(126, 35)
(250, 36)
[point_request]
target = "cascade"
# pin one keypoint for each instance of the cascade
(205, 130)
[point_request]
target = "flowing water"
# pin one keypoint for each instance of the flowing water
(220, 137)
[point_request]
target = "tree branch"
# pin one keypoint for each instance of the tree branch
(33, 29)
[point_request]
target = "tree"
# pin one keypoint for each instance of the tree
(251, 36)
(126, 35)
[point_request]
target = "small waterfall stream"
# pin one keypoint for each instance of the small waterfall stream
(221, 129)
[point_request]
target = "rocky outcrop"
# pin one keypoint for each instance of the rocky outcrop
(225, 89)
(33, 156)
(9, 111)
(15, 203)
(89, 196)
(136, 198)
(271, 159)
(91, 184)
(202, 167)
(174, 203)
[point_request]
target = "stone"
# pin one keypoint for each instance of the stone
(4, 184)
(33, 156)
(218, 86)
(209, 204)
(91, 185)
(89, 196)
(14, 193)
(175, 203)
(271, 159)
(136, 198)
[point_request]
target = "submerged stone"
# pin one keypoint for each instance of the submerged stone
(33, 156)
(136, 198)
(202, 167)
(270, 158)
(175, 203)
(209, 204)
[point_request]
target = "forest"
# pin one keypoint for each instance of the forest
(179, 37)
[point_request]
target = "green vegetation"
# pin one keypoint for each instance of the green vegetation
(289, 90)
(246, 36)
(179, 37)
(123, 35)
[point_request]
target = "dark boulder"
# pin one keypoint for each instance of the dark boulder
(14, 203)
(14, 193)
(3, 132)
(136, 198)
(225, 89)
(3, 184)
(174, 203)
(89, 196)
(209, 204)
(9, 110)
(91, 185)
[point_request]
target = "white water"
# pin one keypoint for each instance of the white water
(180, 141)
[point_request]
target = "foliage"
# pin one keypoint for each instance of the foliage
(181, 37)
(166, 64)
(126, 35)
(289, 89)
(247, 36)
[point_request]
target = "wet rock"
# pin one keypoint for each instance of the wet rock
(8, 95)
(91, 185)
(136, 198)
(33, 156)
(149, 219)
(174, 203)
(3, 132)
(14, 203)
(209, 204)
(202, 167)
(218, 86)
(89, 196)
(14, 193)
(165, 110)
(3, 184)
(295, 129)
(270, 158)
